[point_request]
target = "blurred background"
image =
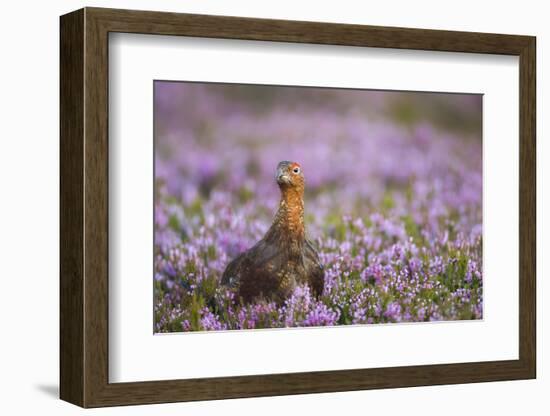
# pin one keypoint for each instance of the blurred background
(360, 150)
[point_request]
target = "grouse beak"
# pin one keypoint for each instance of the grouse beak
(281, 177)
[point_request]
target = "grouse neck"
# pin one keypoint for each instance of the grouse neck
(288, 226)
(290, 215)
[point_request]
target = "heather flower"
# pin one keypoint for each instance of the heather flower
(393, 312)
(320, 315)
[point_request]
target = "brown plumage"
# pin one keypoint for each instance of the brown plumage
(284, 257)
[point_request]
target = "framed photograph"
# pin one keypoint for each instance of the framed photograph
(255, 207)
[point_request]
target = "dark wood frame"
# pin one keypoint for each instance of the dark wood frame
(84, 207)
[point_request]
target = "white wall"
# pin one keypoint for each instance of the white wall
(29, 206)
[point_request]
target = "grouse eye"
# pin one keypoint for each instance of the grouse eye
(296, 170)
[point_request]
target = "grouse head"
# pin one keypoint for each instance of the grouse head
(290, 176)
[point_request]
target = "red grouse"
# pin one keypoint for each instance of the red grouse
(284, 257)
